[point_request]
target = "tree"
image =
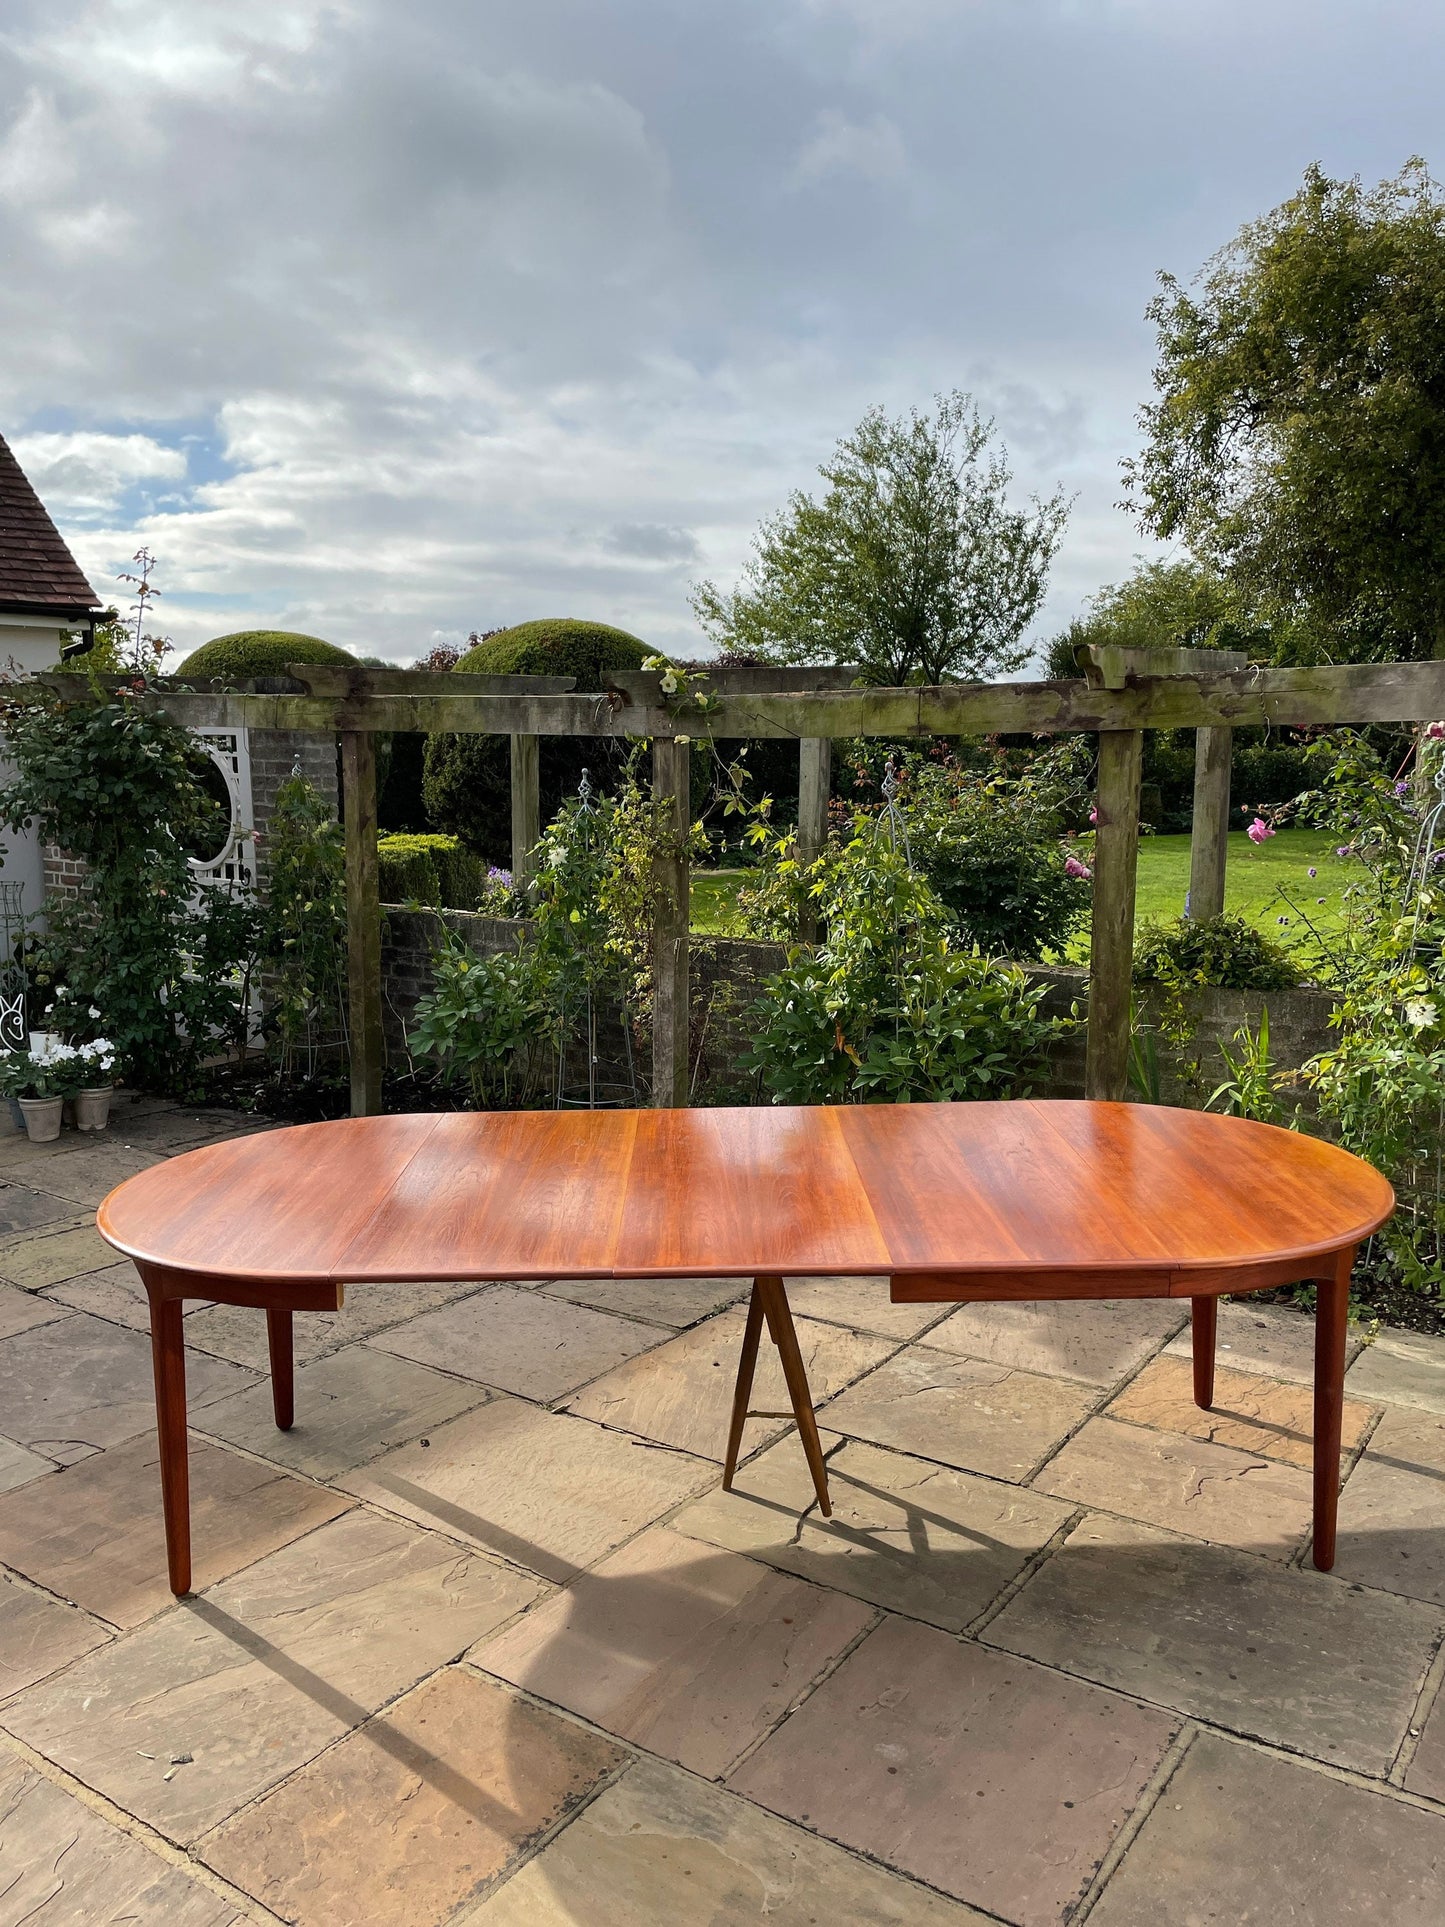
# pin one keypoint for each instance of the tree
(1180, 605)
(912, 564)
(1298, 442)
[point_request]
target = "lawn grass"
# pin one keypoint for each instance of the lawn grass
(1257, 882)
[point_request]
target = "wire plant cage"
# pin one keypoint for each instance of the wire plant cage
(594, 988)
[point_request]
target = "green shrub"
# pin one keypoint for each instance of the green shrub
(436, 870)
(1224, 951)
(467, 782)
(257, 652)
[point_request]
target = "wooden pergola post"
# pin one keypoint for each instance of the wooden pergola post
(815, 780)
(1213, 751)
(1111, 954)
(671, 1012)
(363, 920)
(526, 805)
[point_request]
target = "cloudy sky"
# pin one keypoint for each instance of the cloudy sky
(391, 321)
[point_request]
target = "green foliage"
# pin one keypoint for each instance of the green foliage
(256, 652)
(1298, 441)
(1174, 605)
(440, 871)
(303, 931)
(169, 976)
(1185, 953)
(1251, 1088)
(487, 1022)
(886, 1009)
(912, 564)
(466, 780)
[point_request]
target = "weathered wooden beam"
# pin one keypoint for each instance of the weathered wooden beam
(1111, 947)
(671, 784)
(340, 680)
(1295, 698)
(526, 806)
(1208, 842)
(363, 921)
(815, 780)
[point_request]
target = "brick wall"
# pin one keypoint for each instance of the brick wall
(275, 754)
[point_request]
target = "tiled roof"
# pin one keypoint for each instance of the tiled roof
(37, 571)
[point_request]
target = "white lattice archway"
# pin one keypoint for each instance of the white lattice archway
(233, 866)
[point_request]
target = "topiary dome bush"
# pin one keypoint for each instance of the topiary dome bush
(257, 652)
(467, 783)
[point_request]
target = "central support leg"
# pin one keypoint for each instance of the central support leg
(1332, 1305)
(278, 1340)
(1204, 1318)
(168, 1357)
(769, 1301)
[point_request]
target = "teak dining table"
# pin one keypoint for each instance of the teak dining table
(994, 1201)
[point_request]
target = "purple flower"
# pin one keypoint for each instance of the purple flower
(1402, 789)
(1343, 850)
(1313, 871)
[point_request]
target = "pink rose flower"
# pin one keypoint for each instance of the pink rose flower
(1259, 830)
(1435, 730)
(1073, 868)
(1093, 816)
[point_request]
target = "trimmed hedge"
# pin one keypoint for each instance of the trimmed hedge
(467, 783)
(436, 870)
(257, 652)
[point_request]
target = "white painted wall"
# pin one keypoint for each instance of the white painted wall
(27, 644)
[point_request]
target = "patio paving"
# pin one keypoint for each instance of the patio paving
(482, 1643)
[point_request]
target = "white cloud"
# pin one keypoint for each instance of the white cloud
(86, 473)
(837, 145)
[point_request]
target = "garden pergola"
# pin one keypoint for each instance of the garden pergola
(1123, 693)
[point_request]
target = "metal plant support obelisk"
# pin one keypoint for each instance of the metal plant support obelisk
(13, 982)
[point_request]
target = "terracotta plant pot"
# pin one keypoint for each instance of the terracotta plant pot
(42, 1118)
(92, 1109)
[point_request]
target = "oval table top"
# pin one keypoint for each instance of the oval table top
(1150, 1195)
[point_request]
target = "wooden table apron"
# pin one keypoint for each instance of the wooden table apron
(952, 1202)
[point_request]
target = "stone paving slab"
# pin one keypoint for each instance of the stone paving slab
(409, 1817)
(1292, 1657)
(96, 1535)
(238, 1332)
(1392, 1509)
(963, 1412)
(1097, 1340)
(547, 1491)
(22, 1209)
(254, 1678)
(1266, 1416)
(521, 1341)
(86, 1175)
(995, 1780)
(1402, 1368)
(663, 1849)
(1242, 1837)
(921, 1539)
(1270, 1339)
(39, 1634)
(18, 1466)
(19, 1310)
(862, 1304)
(691, 1652)
(674, 1302)
(351, 1406)
(85, 1381)
(115, 1293)
(51, 1256)
(681, 1394)
(1210, 1491)
(1426, 1772)
(62, 1865)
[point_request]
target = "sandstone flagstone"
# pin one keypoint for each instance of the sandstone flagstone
(1392, 1509)
(239, 1332)
(661, 1848)
(84, 1381)
(521, 1341)
(52, 1255)
(921, 1539)
(409, 1817)
(1293, 1657)
(1426, 1772)
(351, 1406)
(1270, 1339)
(861, 1303)
(19, 1310)
(995, 1780)
(115, 1292)
(62, 1865)
(86, 1175)
(96, 1534)
(547, 1491)
(19, 1466)
(22, 1209)
(1211, 1491)
(1272, 1419)
(962, 1411)
(254, 1678)
(681, 1393)
(676, 1302)
(686, 1650)
(1096, 1340)
(39, 1634)
(1241, 1837)
(1404, 1368)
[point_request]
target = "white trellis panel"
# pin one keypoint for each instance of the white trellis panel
(234, 867)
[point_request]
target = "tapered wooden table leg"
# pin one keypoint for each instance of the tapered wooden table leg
(168, 1356)
(1204, 1318)
(1332, 1306)
(780, 1324)
(278, 1339)
(743, 1390)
